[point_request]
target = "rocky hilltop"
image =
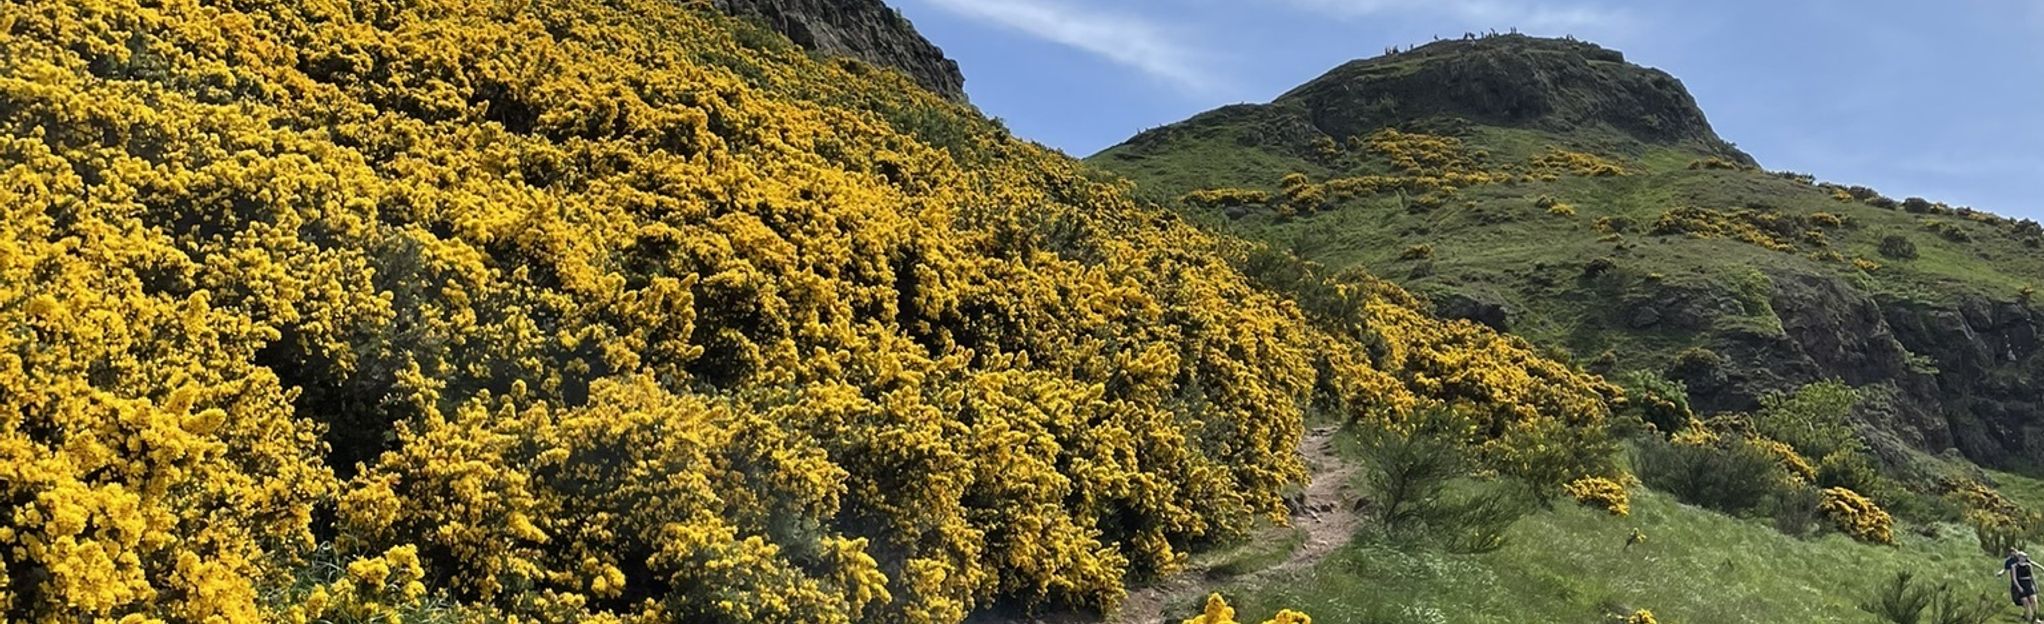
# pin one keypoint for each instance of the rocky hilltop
(867, 30)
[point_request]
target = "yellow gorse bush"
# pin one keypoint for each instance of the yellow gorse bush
(1797, 468)
(1857, 516)
(619, 310)
(1600, 493)
(1431, 168)
(1217, 611)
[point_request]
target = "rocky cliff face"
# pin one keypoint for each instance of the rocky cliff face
(1960, 373)
(867, 30)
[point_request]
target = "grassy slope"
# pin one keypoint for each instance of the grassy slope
(1569, 564)
(1495, 244)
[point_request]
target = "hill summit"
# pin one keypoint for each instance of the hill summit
(1557, 85)
(1554, 86)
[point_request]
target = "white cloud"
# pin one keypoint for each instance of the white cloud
(1524, 14)
(1130, 40)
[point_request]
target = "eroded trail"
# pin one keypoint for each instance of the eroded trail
(1326, 514)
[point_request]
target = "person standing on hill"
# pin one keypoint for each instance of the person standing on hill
(2022, 582)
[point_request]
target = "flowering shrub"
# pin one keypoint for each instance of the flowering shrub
(602, 312)
(1641, 616)
(1796, 467)
(1857, 516)
(1600, 493)
(1217, 611)
(1560, 161)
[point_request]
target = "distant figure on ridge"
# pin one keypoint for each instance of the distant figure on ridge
(2022, 582)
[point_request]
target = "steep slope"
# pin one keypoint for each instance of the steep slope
(867, 30)
(626, 311)
(1547, 188)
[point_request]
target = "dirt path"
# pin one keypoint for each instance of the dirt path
(1326, 514)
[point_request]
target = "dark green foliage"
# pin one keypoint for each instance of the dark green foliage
(1851, 470)
(1948, 231)
(1698, 367)
(1794, 510)
(1417, 488)
(1657, 401)
(1734, 478)
(1916, 205)
(1408, 477)
(1898, 600)
(1813, 419)
(1898, 247)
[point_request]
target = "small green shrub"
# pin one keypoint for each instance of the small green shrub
(1657, 401)
(1902, 599)
(1417, 486)
(1699, 367)
(1794, 510)
(1898, 600)
(1813, 419)
(1898, 247)
(1947, 231)
(1735, 478)
(1417, 252)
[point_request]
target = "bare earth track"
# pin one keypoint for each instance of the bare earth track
(1327, 515)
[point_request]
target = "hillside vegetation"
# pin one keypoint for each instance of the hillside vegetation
(625, 311)
(1550, 189)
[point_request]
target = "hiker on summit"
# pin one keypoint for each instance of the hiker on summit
(2022, 582)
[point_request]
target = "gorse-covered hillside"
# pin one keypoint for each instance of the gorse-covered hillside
(549, 311)
(1548, 188)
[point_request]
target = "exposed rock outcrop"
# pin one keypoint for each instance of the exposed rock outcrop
(867, 30)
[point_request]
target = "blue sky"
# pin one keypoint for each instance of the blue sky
(1943, 100)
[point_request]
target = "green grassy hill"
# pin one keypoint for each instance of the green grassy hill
(1548, 188)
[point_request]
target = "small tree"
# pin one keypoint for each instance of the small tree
(1408, 480)
(1901, 599)
(1898, 600)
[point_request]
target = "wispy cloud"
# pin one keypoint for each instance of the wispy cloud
(1541, 16)
(1134, 41)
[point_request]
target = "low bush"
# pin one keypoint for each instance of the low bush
(1657, 401)
(1813, 419)
(1947, 231)
(1902, 599)
(1735, 478)
(1795, 510)
(1857, 516)
(1898, 247)
(1600, 493)
(1410, 482)
(1217, 611)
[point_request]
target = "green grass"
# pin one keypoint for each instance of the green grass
(1570, 565)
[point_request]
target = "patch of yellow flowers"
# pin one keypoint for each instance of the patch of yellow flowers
(1217, 611)
(1857, 516)
(1600, 493)
(602, 311)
